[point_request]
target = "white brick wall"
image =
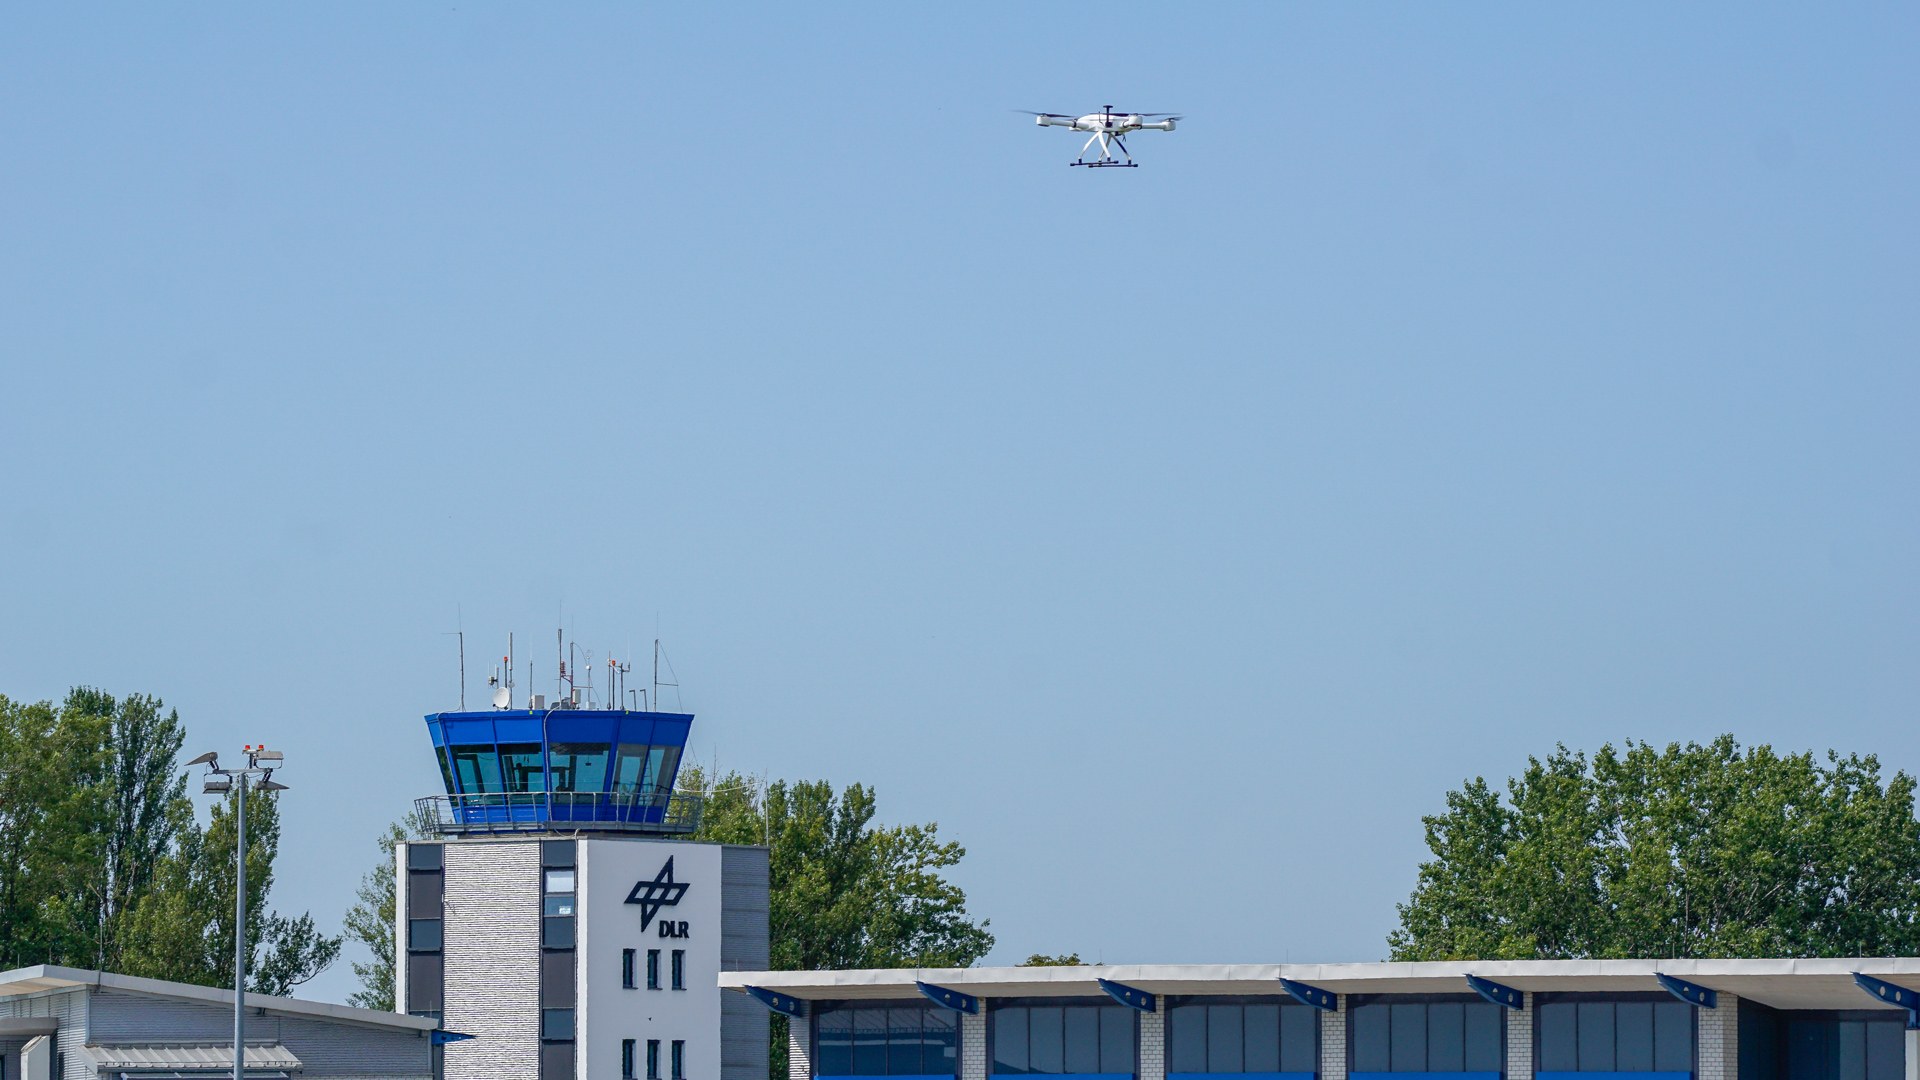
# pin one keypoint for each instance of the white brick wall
(1153, 1043)
(492, 949)
(799, 1064)
(1520, 1040)
(1720, 1039)
(973, 1044)
(1333, 1040)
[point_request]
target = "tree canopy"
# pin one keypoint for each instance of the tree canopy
(1686, 851)
(846, 893)
(104, 865)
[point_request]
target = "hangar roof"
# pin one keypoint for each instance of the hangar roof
(1782, 984)
(44, 978)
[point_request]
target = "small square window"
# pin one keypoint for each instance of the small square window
(557, 905)
(556, 853)
(423, 935)
(559, 881)
(556, 933)
(556, 1025)
(423, 856)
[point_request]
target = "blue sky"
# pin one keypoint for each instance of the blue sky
(1457, 380)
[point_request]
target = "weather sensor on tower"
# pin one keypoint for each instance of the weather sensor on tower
(1109, 129)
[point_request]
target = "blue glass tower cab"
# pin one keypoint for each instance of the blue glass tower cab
(560, 770)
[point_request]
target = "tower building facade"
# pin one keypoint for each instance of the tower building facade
(562, 918)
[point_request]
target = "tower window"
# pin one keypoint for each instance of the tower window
(626, 972)
(679, 969)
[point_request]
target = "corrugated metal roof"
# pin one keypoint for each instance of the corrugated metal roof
(196, 1056)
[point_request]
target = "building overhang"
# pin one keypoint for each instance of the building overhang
(1782, 984)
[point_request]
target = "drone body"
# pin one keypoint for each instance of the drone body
(1109, 129)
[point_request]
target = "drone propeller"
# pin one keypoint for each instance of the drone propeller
(1055, 115)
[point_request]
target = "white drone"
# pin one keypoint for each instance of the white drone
(1109, 130)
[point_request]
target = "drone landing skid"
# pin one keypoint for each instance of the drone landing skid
(1103, 164)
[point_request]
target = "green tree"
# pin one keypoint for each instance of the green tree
(52, 762)
(370, 920)
(845, 893)
(103, 865)
(1071, 959)
(1685, 851)
(183, 928)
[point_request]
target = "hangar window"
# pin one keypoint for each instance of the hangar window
(1247, 1035)
(885, 1039)
(1645, 1033)
(1437, 1033)
(1070, 1038)
(1820, 1045)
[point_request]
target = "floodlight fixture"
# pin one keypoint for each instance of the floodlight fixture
(217, 785)
(208, 758)
(270, 785)
(268, 755)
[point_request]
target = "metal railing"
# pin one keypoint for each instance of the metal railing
(659, 813)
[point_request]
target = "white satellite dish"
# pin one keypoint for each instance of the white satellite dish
(502, 698)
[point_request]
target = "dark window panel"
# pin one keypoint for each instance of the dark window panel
(1672, 1036)
(556, 933)
(1117, 1039)
(1850, 1040)
(1226, 1039)
(1262, 1023)
(1369, 1030)
(424, 890)
(1011, 1042)
(627, 970)
(1187, 1028)
(420, 857)
(1299, 1039)
(1596, 1036)
(1886, 1050)
(423, 935)
(556, 1025)
(556, 853)
(556, 1061)
(942, 1042)
(904, 1030)
(834, 1032)
(424, 982)
(556, 980)
(1046, 1040)
(1081, 1039)
(1446, 1036)
(653, 977)
(869, 1042)
(653, 1059)
(1408, 1034)
(524, 770)
(1633, 1036)
(1556, 1033)
(1486, 1037)
(679, 1059)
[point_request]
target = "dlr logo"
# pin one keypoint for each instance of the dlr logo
(673, 929)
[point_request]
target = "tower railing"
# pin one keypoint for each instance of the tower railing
(653, 813)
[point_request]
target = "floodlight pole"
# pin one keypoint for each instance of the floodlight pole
(240, 931)
(238, 778)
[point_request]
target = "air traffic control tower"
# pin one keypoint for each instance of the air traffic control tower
(562, 916)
